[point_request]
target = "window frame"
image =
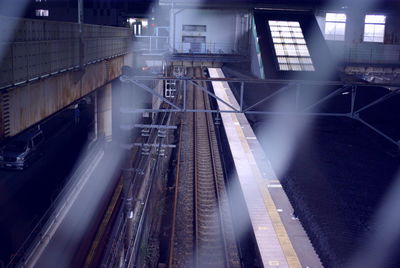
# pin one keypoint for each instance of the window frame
(194, 28)
(374, 24)
(42, 12)
(336, 21)
(290, 47)
(194, 39)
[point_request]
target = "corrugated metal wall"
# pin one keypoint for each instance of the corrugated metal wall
(46, 54)
(30, 103)
(4, 113)
(37, 48)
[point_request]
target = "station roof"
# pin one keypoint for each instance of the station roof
(381, 4)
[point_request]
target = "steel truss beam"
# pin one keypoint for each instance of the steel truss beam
(257, 81)
(282, 89)
(130, 127)
(150, 90)
(212, 94)
(149, 145)
(287, 85)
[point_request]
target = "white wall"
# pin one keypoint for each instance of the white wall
(221, 29)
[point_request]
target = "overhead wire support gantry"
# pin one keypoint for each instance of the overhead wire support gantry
(336, 88)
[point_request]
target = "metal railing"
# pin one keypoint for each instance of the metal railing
(151, 44)
(366, 53)
(160, 44)
(31, 49)
(205, 48)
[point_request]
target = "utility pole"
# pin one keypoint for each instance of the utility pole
(80, 23)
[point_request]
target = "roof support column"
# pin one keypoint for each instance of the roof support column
(104, 112)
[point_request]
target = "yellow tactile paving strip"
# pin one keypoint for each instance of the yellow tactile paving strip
(273, 241)
(280, 230)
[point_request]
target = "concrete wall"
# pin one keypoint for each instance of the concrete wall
(221, 33)
(354, 50)
(33, 102)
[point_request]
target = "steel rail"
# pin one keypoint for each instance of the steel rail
(171, 245)
(200, 123)
(217, 188)
(195, 186)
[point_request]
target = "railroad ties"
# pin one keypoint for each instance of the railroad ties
(203, 235)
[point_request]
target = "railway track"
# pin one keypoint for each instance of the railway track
(202, 234)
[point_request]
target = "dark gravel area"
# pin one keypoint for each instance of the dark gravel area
(339, 174)
(341, 170)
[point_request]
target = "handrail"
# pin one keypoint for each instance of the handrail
(150, 43)
(366, 53)
(206, 48)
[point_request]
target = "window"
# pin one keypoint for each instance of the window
(42, 13)
(16, 146)
(137, 28)
(193, 39)
(194, 28)
(335, 26)
(290, 46)
(374, 28)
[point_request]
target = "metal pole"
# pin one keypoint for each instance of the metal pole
(80, 25)
(241, 96)
(353, 99)
(80, 13)
(156, 38)
(184, 94)
(333, 94)
(297, 96)
(150, 44)
(381, 99)
(378, 131)
(95, 125)
(172, 27)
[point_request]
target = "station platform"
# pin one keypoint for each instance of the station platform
(280, 238)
